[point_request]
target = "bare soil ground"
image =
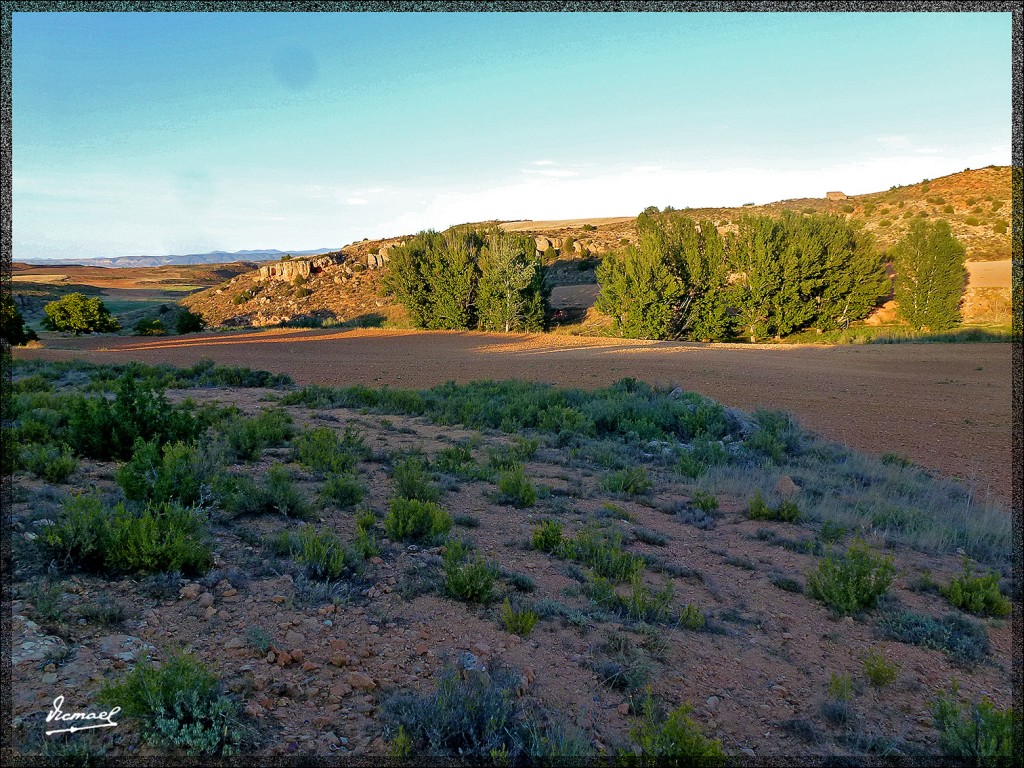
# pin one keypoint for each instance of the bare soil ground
(945, 406)
(758, 674)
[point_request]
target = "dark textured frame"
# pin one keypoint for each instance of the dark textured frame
(405, 6)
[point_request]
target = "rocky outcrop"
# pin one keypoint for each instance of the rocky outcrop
(304, 268)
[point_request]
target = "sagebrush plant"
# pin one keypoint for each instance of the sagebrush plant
(955, 634)
(633, 481)
(692, 618)
(365, 543)
(415, 520)
(603, 552)
(787, 511)
(178, 472)
(161, 537)
(980, 733)
(879, 671)
(840, 687)
(516, 488)
(180, 705)
(854, 582)
(547, 536)
(343, 490)
(676, 737)
(239, 495)
(322, 451)
(322, 553)
(413, 481)
(470, 579)
(246, 438)
(519, 621)
(477, 717)
(705, 502)
(976, 593)
(49, 462)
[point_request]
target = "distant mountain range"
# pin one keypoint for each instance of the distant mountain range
(214, 257)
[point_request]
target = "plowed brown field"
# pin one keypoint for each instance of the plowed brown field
(945, 406)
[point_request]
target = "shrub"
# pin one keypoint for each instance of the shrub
(692, 618)
(965, 640)
(516, 488)
(854, 582)
(603, 553)
(641, 604)
(468, 579)
(787, 511)
(344, 490)
(632, 481)
(705, 502)
(179, 473)
(518, 621)
(547, 536)
(412, 481)
(981, 732)
(972, 221)
(13, 330)
(416, 520)
(79, 314)
(476, 717)
(322, 554)
(677, 738)
(151, 327)
(786, 583)
(878, 670)
(246, 438)
(189, 322)
(240, 495)
(649, 536)
(840, 687)
(49, 462)
(365, 543)
(180, 705)
(160, 538)
(977, 594)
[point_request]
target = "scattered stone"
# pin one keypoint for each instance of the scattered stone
(190, 592)
(786, 487)
(712, 703)
(359, 681)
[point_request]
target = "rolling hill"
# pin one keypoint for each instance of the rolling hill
(976, 203)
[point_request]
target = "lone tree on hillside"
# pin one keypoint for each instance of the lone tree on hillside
(930, 276)
(80, 314)
(13, 330)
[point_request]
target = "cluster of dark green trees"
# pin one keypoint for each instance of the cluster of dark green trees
(467, 279)
(774, 277)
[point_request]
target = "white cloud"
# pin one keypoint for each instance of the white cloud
(356, 201)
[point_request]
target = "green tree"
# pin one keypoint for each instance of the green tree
(189, 322)
(797, 272)
(13, 330)
(453, 275)
(699, 257)
(408, 278)
(639, 290)
(511, 296)
(930, 275)
(80, 314)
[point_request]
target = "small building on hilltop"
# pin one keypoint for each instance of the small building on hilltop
(835, 196)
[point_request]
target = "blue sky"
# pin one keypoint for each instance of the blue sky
(156, 133)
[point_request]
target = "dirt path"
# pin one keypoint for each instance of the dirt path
(945, 406)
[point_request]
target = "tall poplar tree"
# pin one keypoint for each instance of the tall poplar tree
(930, 275)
